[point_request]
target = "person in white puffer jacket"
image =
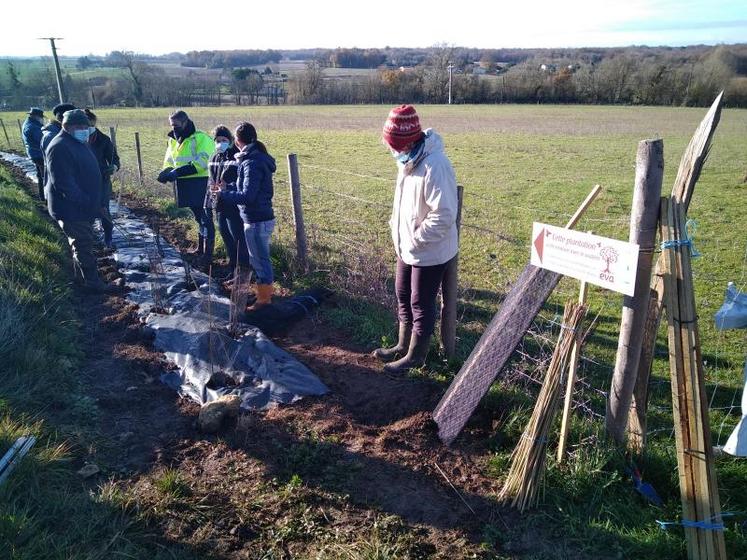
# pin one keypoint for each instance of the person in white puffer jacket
(424, 233)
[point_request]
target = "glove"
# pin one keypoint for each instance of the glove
(111, 169)
(167, 175)
(188, 169)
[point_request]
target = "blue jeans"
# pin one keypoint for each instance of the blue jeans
(258, 244)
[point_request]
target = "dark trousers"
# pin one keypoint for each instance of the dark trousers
(80, 237)
(107, 224)
(231, 228)
(204, 219)
(39, 163)
(416, 288)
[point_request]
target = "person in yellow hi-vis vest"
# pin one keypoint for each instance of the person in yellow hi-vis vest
(186, 163)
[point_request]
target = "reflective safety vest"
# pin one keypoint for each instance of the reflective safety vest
(195, 149)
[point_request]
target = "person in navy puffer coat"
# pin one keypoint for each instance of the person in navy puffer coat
(253, 194)
(74, 193)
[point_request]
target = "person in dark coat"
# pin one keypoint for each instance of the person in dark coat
(53, 128)
(223, 171)
(73, 189)
(106, 154)
(253, 194)
(32, 137)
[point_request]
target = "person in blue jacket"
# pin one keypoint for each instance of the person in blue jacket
(32, 137)
(223, 170)
(73, 189)
(253, 194)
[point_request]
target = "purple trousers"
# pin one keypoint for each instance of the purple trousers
(416, 288)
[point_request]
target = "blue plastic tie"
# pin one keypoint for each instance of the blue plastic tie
(706, 525)
(690, 228)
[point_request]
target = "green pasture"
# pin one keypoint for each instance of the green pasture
(518, 164)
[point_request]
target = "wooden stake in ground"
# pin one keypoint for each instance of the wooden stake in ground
(6, 132)
(450, 291)
(697, 473)
(644, 217)
(689, 171)
(492, 351)
(570, 383)
(139, 159)
(295, 188)
(528, 459)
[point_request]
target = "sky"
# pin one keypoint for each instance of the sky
(157, 27)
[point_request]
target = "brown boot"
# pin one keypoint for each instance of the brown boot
(389, 354)
(415, 357)
(264, 296)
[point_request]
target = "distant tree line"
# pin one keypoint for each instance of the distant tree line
(690, 76)
(230, 59)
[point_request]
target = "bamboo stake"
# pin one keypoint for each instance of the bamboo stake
(571, 382)
(698, 486)
(524, 480)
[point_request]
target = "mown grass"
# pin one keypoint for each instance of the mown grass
(518, 164)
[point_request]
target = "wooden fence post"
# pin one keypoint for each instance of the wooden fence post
(682, 191)
(139, 158)
(20, 128)
(113, 136)
(450, 291)
(643, 220)
(295, 188)
(6, 133)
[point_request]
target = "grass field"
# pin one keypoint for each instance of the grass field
(518, 164)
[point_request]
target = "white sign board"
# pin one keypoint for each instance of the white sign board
(601, 261)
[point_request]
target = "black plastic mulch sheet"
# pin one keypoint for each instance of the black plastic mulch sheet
(188, 318)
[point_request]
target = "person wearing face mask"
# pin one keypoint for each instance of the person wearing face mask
(73, 189)
(186, 164)
(106, 154)
(32, 137)
(222, 175)
(423, 226)
(253, 194)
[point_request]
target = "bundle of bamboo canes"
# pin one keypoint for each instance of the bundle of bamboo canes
(524, 479)
(701, 509)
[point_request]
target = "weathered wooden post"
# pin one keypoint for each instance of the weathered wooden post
(6, 132)
(139, 159)
(682, 191)
(20, 129)
(295, 187)
(450, 291)
(113, 136)
(643, 220)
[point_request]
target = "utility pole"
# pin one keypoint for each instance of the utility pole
(450, 68)
(60, 86)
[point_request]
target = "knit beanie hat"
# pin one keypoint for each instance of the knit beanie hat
(402, 127)
(75, 117)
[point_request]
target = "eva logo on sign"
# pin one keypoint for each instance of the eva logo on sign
(609, 256)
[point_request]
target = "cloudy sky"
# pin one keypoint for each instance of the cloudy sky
(156, 27)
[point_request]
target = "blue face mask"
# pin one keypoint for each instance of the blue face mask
(402, 157)
(81, 135)
(91, 130)
(221, 147)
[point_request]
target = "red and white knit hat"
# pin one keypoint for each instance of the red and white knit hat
(402, 127)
